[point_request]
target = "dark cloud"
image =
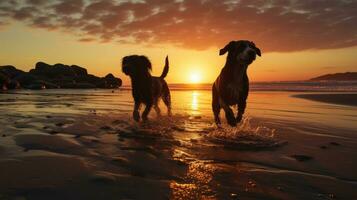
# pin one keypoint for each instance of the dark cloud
(69, 7)
(276, 25)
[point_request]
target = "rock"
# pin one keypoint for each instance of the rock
(7, 75)
(13, 84)
(45, 76)
(27, 79)
(35, 86)
(30, 81)
(53, 72)
(111, 81)
(79, 71)
(3, 78)
(10, 71)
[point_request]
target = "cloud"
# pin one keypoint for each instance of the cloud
(275, 25)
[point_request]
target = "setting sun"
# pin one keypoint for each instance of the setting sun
(195, 77)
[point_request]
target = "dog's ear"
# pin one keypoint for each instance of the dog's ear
(257, 50)
(146, 62)
(228, 47)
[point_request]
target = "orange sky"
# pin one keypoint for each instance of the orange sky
(298, 40)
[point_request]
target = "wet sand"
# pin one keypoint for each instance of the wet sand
(86, 146)
(341, 99)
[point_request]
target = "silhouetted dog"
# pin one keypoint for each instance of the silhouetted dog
(146, 89)
(232, 85)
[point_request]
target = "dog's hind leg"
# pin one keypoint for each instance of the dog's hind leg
(145, 114)
(157, 109)
(215, 106)
(136, 114)
(166, 98)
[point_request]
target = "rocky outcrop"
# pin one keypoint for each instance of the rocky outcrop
(8, 73)
(54, 76)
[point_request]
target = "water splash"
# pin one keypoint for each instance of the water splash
(245, 136)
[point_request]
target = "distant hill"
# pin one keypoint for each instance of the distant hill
(347, 76)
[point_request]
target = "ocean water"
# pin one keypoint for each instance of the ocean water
(266, 100)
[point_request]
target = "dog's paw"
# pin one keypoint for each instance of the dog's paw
(217, 121)
(231, 120)
(136, 116)
(145, 118)
(239, 118)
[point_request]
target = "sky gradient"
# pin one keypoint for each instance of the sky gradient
(298, 39)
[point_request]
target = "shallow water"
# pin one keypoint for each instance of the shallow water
(285, 148)
(262, 104)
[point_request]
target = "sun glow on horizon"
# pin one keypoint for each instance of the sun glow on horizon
(195, 77)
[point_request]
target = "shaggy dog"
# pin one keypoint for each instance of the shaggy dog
(232, 85)
(146, 89)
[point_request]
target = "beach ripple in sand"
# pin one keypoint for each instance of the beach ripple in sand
(53, 143)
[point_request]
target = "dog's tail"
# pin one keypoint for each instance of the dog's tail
(166, 68)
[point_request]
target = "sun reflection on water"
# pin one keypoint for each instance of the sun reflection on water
(195, 103)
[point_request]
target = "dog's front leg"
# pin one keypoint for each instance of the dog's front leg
(136, 114)
(215, 105)
(145, 114)
(241, 108)
(229, 113)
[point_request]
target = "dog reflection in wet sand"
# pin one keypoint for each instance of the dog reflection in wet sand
(232, 85)
(146, 89)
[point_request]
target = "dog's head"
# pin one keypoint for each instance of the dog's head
(242, 51)
(136, 65)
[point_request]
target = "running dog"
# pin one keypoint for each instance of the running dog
(146, 89)
(232, 85)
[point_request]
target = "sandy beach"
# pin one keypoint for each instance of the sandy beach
(83, 144)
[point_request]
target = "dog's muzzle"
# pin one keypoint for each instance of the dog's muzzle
(248, 56)
(125, 69)
(251, 55)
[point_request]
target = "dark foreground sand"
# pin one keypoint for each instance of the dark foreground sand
(92, 155)
(97, 157)
(341, 99)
